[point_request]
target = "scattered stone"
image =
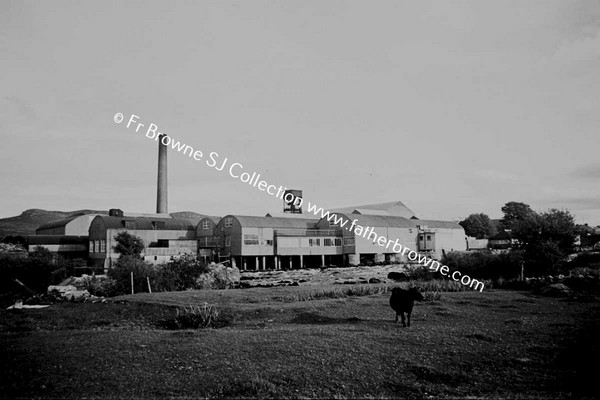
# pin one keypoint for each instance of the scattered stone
(374, 280)
(220, 276)
(68, 292)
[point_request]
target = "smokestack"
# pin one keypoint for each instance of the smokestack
(161, 193)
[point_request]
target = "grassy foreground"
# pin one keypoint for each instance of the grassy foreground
(496, 344)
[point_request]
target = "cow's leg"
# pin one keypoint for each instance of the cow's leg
(408, 318)
(396, 318)
(403, 321)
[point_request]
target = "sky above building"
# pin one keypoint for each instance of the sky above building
(452, 107)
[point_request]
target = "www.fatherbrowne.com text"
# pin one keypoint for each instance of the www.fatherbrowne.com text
(237, 171)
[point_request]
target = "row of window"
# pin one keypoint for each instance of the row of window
(252, 240)
(98, 246)
(337, 242)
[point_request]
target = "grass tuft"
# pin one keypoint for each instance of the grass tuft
(196, 317)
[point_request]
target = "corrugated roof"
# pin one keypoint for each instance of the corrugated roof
(379, 221)
(365, 211)
(438, 224)
(397, 222)
(170, 224)
(276, 222)
(395, 208)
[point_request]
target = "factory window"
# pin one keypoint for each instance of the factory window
(428, 237)
(155, 258)
(97, 245)
(338, 242)
(205, 225)
(251, 240)
(420, 237)
(269, 242)
(227, 241)
(327, 242)
(92, 246)
(314, 242)
(103, 246)
(332, 222)
(228, 222)
(348, 241)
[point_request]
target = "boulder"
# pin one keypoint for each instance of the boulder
(556, 289)
(62, 288)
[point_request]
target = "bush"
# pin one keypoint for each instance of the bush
(584, 264)
(486, 265)
(102, 287)
(121, 274)
(179, 274)
(421, 274)
(196, 317)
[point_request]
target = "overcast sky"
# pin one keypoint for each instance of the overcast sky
(451, 107)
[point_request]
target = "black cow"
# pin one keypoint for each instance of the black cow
(402, 301)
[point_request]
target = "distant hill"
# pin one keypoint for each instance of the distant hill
(29, 220)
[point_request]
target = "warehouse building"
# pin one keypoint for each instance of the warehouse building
(162, 237)
(431, 238)
(275, 241)
(208, 244)
(251, 242)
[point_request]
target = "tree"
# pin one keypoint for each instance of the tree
(547, 238)
(514, 212)
(558, 226)
(478, 225)
(128, 244)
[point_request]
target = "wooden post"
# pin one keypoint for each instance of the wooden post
(132, 282)
(149, 288)
(522, 270)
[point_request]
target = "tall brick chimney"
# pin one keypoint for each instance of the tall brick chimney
(161, 193)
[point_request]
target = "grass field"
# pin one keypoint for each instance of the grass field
(496, 344)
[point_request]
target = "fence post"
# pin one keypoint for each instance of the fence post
(149, 288)
(132, 282)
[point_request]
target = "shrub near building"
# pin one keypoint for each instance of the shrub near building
(486, 265)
